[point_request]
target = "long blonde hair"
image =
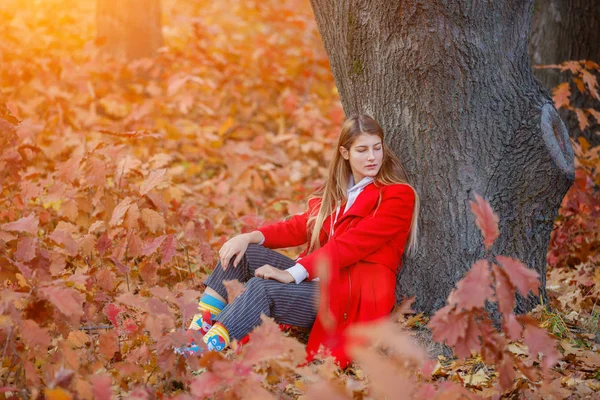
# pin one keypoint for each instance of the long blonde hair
(336, 186)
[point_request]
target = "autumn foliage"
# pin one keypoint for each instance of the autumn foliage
(119, 181)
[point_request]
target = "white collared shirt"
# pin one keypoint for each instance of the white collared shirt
(298, 271)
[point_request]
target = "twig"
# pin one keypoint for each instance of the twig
(95, 328)
(151, 373)
(187, 259)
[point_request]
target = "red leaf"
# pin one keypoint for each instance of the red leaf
(154, 179)
(130, 326)
(205, 385)
(505, 291)
(168, 249)
(234, 289)
(561, 94)
(34, 336)
(512, 327)
(66, 300)
(486, 220)
(103, 244)
(151, 245)
(539, 341)
(472, 291)
(507, 374)
(27, 224)
(471, 342)
(267, 342)
(448, 326)
(525, 279)
(26, 247)
(101, 387)
(132, 300)
(112, 311)
(119, 211)
(158, 307)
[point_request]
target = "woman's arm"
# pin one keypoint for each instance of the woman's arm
(289, 233)
(392, 218)
(235, 247)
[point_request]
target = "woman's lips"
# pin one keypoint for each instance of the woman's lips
(373, 166)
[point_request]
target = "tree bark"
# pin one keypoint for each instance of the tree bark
(564, 30)
(129, 29)
(451, 83)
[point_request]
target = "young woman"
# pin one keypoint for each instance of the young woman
(357, 227)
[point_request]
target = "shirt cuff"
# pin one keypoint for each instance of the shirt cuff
(298, 272)
(263, 239)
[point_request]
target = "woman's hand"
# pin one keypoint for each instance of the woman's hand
(234, 247)
(269, 272)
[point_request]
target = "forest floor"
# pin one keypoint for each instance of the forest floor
(119, 181)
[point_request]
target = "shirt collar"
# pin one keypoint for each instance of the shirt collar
(364, 182)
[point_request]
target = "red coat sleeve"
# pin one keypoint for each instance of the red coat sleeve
(291, 232)
(393, 217)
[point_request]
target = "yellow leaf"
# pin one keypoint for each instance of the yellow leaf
(226, 126)
(478, 379)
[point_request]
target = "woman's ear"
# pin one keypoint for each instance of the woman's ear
(344, 153)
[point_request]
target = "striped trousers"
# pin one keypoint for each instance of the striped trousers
(291, 303)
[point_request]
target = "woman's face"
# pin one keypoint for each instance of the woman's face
(365, 156)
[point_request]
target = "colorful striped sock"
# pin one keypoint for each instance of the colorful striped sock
(209, 307)
(217, 338)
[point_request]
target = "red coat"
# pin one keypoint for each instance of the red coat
(363, 256)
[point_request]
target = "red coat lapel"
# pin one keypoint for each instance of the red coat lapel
(364, 203)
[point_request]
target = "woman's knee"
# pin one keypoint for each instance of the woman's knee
(255, 283)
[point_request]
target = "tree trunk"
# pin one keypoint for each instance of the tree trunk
(452, 86)
(129, 29)
(564, 30)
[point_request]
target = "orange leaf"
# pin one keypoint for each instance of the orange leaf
(486, 220)
(234, 289)
(119, 211)
(594, 113)
(57, 394)
(154, 179)
(107, 344)
(153, 220)
(561, 94)
(590, 80)
(582, 118)
(133, 134)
